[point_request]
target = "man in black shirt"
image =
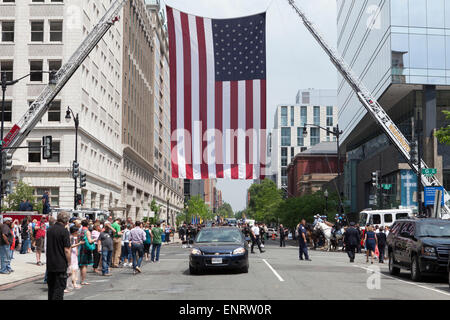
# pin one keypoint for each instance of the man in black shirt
(58, 257)
(5, 245)
(351, 241)
(381, 237)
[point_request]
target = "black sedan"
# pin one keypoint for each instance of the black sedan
(218, 248)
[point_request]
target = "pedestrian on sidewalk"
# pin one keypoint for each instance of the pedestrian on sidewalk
(281, 232)
(95, 234)
(351, 241)
(117, 243)
(73, 266)
(156, 242)
(85, 252)
(381, 239)
(105, 246)
(6, 241)
(147, 242)
(17, 239)
(302, 244)
(370, 240)
(26, 235)
(126, 256)
(39, 238)
(167, 233)
(58, 257)
(137, 238)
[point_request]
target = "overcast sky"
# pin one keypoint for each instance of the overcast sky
(294, 59)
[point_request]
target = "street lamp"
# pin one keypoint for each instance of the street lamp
(337, 133)
(69, 115)
(5, 83)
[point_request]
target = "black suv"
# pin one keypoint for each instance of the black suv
(419, 245)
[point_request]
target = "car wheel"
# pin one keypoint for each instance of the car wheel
(415, 269)
(244, 269)
(392, 270)
(193, 270)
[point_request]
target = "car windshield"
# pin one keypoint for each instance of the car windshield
(363, 219)
(434, 230)
(219, 235)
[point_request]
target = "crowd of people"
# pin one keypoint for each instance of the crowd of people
(81, 245)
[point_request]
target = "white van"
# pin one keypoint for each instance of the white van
(383, 217)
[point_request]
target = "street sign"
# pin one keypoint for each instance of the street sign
(430, 194)
(429, 171)
(387, 186)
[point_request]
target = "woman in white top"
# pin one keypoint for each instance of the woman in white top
(126, 256)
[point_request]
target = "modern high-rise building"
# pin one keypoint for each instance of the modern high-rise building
(400, 50)
(41, 36)
(317, 107)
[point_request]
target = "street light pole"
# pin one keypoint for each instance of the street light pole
(69, 112)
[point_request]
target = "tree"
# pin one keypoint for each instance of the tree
(197, 207)
(240, 214)
(155, 208)
(225, 211)
(22, 191)
(264, 201)
(443, 134)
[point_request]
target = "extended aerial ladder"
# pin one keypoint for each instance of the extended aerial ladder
(39, 107)
(373, 108)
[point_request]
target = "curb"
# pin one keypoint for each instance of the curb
(20, 282)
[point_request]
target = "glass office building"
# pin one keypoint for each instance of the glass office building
(400, 49)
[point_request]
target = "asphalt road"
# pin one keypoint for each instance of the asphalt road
(275, 274)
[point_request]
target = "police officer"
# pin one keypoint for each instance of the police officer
(351, 241)
(303, 248)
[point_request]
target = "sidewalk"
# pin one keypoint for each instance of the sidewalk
(25, 269)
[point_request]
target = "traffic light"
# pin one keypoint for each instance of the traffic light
(75, 169)
(82, 179)
(375, 178)
(8, 187)
(79, 199)
(414, 152)
(47, 150)
(6, 161)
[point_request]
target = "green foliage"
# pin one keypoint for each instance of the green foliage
(22, 191)
(225, 211)
(443, 134)
(197, 207)
(265, 199)
(240, 214)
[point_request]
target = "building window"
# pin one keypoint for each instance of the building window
(284, 157)
(53, 65)
(284, 176)
(303, 116)
(285, 137)
(284, 121)
(8, 111)
(292, 116)
(37, 31)
(53, 195)
(54, 112)
(56, 31)
(315, 136)
(36, 70)
(292, 153)
(8, 31)
(55, 152)
(300, 138)
(34, 152)
(6, 66)
(317, 116)
(329, 116)
(305, 97)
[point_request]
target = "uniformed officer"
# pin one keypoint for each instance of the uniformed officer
(302, 246)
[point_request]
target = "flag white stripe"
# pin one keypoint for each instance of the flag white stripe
(226, 91)
(256, 126)
(181, 155)
(241, 129)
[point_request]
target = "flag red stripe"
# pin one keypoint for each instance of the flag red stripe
(203, 94)
(263, 129)
(248, 126)
(234, 126)
(187, 92)
(173, 91)
(218, 124)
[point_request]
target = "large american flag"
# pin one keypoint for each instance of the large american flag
(217, 96)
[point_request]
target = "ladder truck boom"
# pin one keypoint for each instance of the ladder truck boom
(372, 106)
(39, 107)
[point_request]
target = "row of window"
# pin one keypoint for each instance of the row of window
(36, 69)
(53, 113)
(314, 136)
(37, 31)
(304, 116)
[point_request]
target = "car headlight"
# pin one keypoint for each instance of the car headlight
(196, 252)
(239, 251)
(429, 251)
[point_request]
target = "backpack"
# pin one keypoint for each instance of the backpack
(87, 245)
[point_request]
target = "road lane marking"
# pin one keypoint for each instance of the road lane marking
(274, 271)
(400, 280)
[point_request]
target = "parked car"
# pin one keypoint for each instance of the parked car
(219, 247)
(385, 218)
(419, 245)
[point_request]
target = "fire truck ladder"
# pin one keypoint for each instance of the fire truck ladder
(373, 107)
(39, 107)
